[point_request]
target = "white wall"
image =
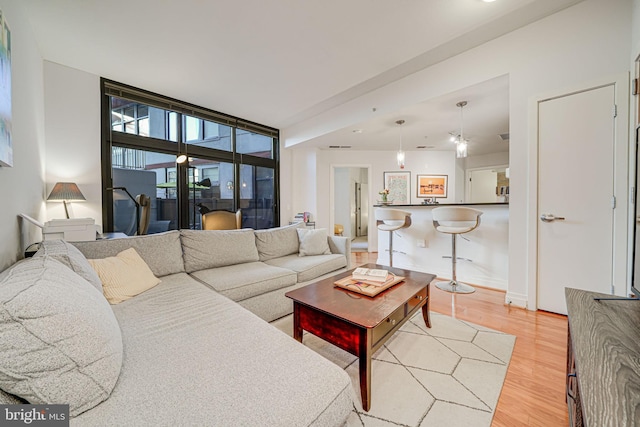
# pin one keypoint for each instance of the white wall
(302, 167)
(22, 186)
(487, 160)
(590, 40)
(72, 108)
(635, 30)
(579, 44)
(432, 162)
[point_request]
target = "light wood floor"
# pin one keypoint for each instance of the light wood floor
(534, 389)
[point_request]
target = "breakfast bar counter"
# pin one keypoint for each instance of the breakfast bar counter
(483, 254)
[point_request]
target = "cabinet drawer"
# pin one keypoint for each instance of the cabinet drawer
(388, 324)
(417, 299)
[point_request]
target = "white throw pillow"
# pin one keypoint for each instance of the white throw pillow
(61, 342)
(124, 276)
(313, 242)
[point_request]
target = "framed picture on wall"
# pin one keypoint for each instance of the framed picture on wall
(399, 186)
(6, 144)
(432, 186)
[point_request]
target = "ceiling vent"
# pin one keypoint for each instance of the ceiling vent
(425, 146)
(339, 146)
(504, 136)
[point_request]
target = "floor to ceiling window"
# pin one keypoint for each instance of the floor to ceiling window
(231, 163)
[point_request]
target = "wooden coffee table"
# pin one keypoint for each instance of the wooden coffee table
(358, 323)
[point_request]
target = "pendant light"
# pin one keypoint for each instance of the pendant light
(400, 155)
(461, 143)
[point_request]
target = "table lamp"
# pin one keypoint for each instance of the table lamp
(67, 192)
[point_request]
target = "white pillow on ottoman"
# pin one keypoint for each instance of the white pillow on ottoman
(61, 343)
(313, 242)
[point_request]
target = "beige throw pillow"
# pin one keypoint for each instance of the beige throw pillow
(123, 276)
(313, 242)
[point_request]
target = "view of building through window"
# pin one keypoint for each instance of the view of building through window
(144, 143)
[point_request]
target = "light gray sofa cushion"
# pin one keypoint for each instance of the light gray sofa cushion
(162, 252)
(205, 249)
(70, 256)
(310, 267)
(277, 242)
(313, 242)
(60, 340)
(242, 281)
(193, 357)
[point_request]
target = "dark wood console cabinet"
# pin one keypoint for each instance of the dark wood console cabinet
(603, 360)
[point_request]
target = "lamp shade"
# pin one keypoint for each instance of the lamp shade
(205, 182)
(66, 191)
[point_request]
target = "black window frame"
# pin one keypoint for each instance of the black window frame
(109, 138)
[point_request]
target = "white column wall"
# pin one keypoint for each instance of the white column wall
(635, 31)
(72, 108)
(286, 184)
(22, 187)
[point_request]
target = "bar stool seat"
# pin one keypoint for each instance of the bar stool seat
(391, 220)
(455, 220)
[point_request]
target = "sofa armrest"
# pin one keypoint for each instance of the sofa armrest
(341, 245)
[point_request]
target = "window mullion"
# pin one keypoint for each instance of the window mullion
(220, 137)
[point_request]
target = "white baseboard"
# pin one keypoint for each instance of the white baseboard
(516, 300)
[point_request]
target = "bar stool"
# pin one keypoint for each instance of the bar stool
(454, 221)
(391, 220)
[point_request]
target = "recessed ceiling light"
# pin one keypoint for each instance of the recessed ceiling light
(488, 1)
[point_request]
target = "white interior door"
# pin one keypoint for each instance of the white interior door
(576, 185)
(482, 186)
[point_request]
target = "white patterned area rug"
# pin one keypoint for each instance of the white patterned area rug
(450, 375)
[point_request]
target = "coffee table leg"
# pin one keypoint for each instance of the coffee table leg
(297, 329)
(425, 309)
(365, 368)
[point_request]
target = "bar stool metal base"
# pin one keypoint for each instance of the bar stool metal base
(455, 287)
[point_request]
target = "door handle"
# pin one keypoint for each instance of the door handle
(551, 218)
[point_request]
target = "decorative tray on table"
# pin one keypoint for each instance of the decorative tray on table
(367, 287)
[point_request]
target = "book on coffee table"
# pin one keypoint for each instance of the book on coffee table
(370, 274)
(369, 289)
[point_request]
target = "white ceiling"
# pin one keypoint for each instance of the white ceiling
(278, 62)
(429, 124)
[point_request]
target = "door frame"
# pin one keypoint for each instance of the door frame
(620, 258)
(332, 199)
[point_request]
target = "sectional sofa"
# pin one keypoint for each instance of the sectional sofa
(192, 349)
